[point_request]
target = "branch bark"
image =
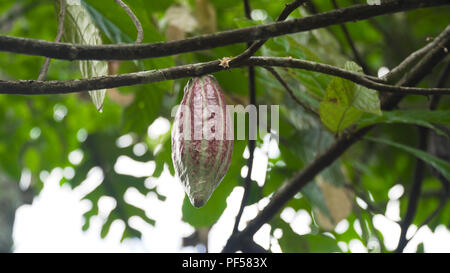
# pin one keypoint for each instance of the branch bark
(32, 87)
(132, 52)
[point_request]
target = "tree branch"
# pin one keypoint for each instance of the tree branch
(419, 174)
(131, 52)
(31, 87)
(361, 79)
(396, 73)
(443, 78)
(303, 177)
(252, 48)
(289, 8)
(430, 217)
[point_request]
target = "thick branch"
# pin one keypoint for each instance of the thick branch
(31, 87)
(131, 52)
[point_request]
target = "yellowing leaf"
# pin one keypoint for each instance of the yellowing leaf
(206, 16)
(339, 202)
(80, 29)
(179, 22)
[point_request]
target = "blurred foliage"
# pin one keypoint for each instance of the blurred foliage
(40, 133)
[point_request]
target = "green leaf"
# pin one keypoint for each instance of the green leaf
(424, 118)
(420, 248)
(338, 118)
(442, 166)
(345, 101)
(292, 242)
(364, 99)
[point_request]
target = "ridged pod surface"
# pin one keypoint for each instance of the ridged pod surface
(202, 142)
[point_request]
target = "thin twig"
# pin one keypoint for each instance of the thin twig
(289, 8)
(371, 206)
(251, 49)
(443, 78)
(137, 23)
(61, 18)
(418, 178)
(400, 70)
(290, 91)
(430, 217)
(135, 51)
(419, 175)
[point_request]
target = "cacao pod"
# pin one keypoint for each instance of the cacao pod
(202, 142)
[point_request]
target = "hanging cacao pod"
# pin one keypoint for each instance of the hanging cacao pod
(202, 136)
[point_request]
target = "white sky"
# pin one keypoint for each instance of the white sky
(52, 223)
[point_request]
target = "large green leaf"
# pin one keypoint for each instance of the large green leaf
(336, 117)
(417, 117)
(345, 102)
(442, 166)
(291, 242)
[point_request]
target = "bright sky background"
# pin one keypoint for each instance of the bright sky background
(52, 223)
